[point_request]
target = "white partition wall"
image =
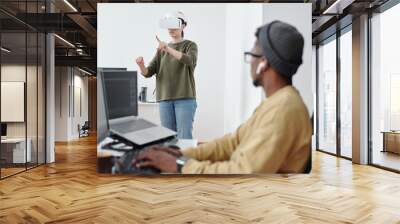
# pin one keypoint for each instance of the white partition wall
(71, 102)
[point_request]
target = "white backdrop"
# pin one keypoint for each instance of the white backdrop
(298, 15)
(225, 94)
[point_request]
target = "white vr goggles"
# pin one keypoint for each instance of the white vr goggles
(172, 21)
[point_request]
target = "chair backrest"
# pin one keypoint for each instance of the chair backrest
(308, 167)
(309, 161)
(86, 125)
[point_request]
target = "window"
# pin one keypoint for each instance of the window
(327, 96)
(346, 93)
(385, 89)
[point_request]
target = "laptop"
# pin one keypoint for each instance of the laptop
(121, 104)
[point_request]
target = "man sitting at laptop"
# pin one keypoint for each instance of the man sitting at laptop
(276, 138)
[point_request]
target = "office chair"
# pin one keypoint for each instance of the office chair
(308, 167)
(84, 130)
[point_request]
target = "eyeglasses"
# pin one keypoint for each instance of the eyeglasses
(249, 55)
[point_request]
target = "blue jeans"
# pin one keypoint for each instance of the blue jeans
(178, 115)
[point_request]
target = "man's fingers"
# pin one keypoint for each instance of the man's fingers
(158, 39)
(145, 155)
(172, 151)
(145, 164)
(156, 147)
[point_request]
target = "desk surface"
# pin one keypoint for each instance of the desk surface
(148, 103)
(390, 132)
(13, 140)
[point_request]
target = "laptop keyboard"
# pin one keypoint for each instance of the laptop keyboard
(132, 126)
(124, 165)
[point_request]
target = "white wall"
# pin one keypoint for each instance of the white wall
(240, 96)
(12, 101)
(225, 94)
(298, 15)
(66, 121)
(80, 83)
(123, 35)
(61, 103)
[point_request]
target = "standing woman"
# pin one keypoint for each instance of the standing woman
(174, 65)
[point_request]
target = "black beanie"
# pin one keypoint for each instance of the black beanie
(282, 46)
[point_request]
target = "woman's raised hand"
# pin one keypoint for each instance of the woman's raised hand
(140, 61)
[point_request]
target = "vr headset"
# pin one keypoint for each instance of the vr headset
(172, 21)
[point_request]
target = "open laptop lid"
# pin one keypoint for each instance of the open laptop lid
(112, 69)
(121, 93)
(102, 106)
(103, 126)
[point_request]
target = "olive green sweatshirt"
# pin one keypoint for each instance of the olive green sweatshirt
(175, 78)
(275, 139)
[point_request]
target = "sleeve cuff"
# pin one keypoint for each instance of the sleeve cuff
(186, 59)
(193, 166)
(190, 152)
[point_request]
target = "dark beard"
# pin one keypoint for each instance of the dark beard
(256, 82)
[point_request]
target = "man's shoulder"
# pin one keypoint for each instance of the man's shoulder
(288, 97)
(287, 105)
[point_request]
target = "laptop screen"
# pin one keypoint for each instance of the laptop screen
(121, 93)
(102, 120)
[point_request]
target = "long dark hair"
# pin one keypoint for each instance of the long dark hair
(183, 23)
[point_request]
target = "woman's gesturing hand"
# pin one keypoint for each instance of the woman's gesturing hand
(140, 61)
(162, 46)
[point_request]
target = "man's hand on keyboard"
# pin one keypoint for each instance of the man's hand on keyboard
(171, 150)
(163, 159)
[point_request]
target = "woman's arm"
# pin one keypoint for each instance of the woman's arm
(164, 47)
(143, 69)
(176, 54)
(152, 68)
(188, 58)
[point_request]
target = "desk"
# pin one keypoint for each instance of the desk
(149, 111)
(13, 150)
(391, 141)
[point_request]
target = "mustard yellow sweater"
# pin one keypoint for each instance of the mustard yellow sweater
(275, 139)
